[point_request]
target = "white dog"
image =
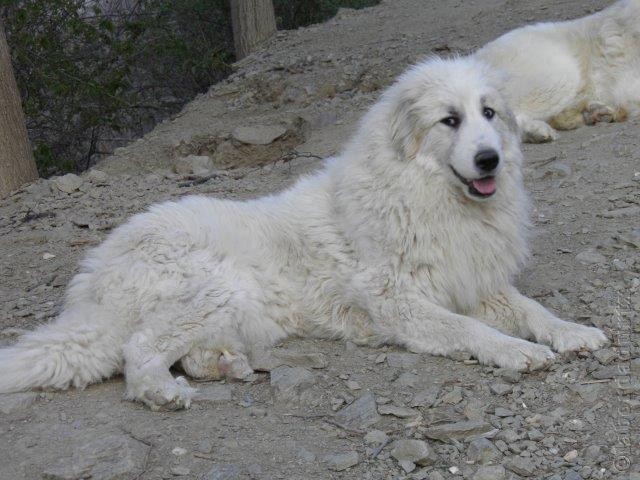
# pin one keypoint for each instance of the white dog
(567, 74)
(412, 237)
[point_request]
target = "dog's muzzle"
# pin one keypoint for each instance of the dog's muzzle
(482, 187)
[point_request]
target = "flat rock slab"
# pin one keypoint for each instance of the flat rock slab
(632, 238)
(258, 134)
(213, 393)
(97, 177)
(590, 257)
(342, 461)
(501, 388)
(458, 430)
(68, 183)
(306, 360)
(112, 457)
(611, 371)
(406, 379)
(402, 360)
(482, 451)
(375, 437)
(265, 361)
(193, 164)
(400, 412)
(287, 378)
(453, 397)
(503, 412)
(426, 397)
(360, 414)
(490, 472)
(521, 466)
(605, 355)
(414, 451)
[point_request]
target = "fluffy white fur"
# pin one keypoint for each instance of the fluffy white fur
(566, 74)
(385, 245)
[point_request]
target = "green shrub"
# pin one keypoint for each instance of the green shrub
(72, 82)
(91, 79)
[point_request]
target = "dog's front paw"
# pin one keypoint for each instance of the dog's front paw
(537, 131)
(571, 337)
(517, 354)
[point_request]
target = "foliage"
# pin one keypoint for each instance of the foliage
(71, 81)
(186, 45)
(94, 74)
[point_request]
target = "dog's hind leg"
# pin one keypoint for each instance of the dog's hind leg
(587, 113)
(570, 118)
(600, 113)
(148, 357)
(513, 312)
(171, 330)
(207, 363)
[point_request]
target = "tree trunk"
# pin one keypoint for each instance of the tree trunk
(16, 160)
(253, 22)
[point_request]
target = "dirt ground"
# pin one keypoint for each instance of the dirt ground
(330, 409)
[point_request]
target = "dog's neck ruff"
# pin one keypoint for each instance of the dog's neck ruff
(414, 224)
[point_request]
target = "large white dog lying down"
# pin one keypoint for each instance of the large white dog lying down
(412, 236)
(566, 74)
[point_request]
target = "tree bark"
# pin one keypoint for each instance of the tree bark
(253, 22)
(17, 166)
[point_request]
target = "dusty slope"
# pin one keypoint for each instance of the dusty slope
(585, 265)
(328, 74)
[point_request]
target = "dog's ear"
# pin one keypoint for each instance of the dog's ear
(499, 81)
(406, 129)
(502, 108)
(509, 117)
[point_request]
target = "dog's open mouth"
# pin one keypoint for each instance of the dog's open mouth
(480, 187)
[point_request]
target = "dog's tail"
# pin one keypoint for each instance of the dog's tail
(69, 351)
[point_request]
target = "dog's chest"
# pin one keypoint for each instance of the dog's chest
(459, 262)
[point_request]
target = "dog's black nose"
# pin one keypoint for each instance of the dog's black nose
(487, 160)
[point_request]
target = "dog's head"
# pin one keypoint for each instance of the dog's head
(448, 116)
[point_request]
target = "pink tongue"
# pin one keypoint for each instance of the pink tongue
(486, 186)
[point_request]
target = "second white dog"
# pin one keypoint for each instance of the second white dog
(561, 75)
(412, 236)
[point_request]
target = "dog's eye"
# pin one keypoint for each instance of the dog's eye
(452, 121)
(488, 113)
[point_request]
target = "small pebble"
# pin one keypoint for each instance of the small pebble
(179, 451)
(500, 388)
(205, 446)
(353, 385)
(571, 456)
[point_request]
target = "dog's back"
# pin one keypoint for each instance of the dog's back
(567, 74)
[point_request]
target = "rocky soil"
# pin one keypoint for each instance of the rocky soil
(323, 409)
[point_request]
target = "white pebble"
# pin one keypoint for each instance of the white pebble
(179, 451)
